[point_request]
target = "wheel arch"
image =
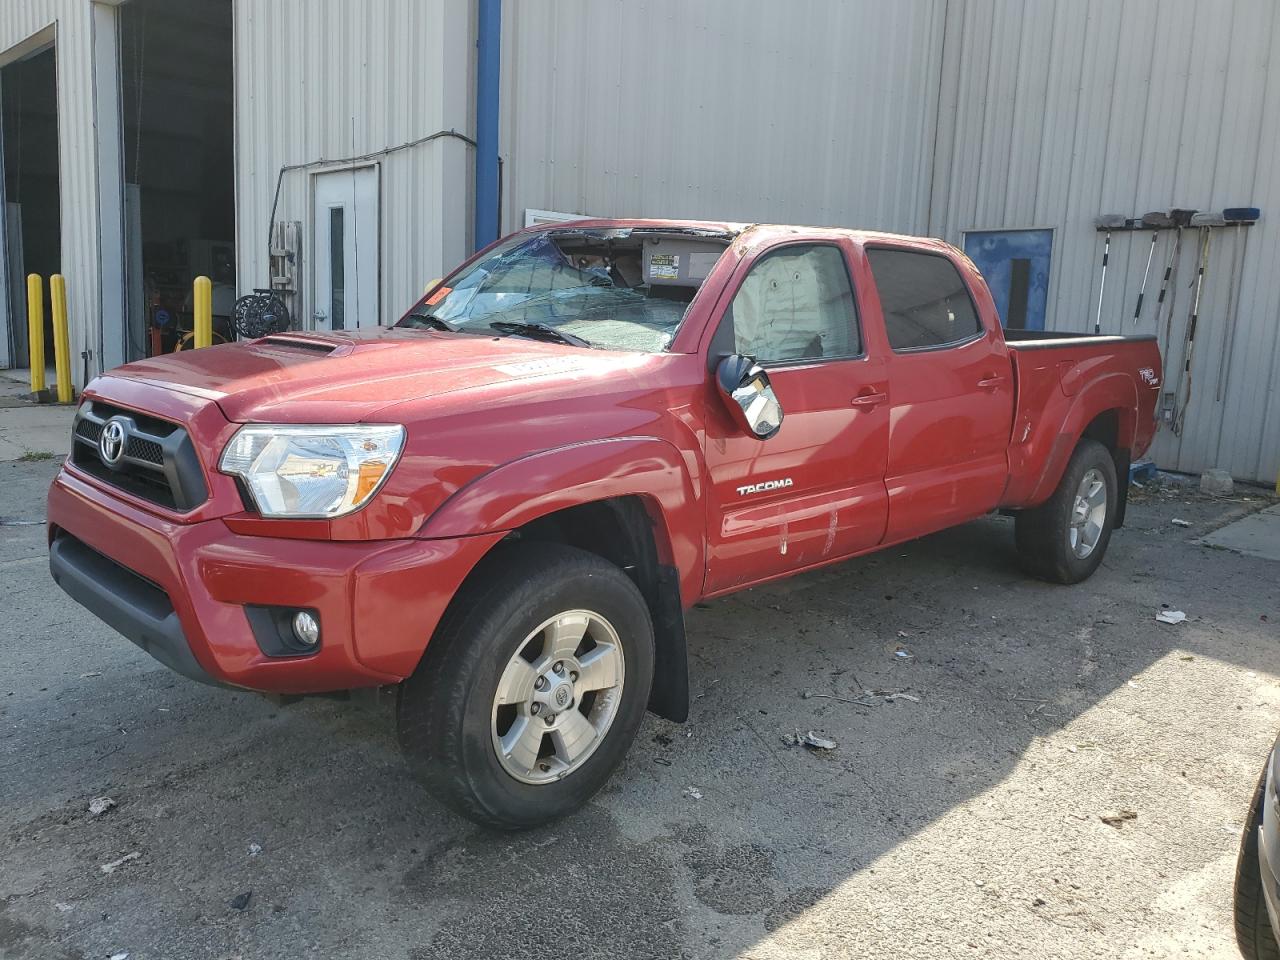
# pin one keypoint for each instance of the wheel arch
(634, 502)
(1105, 411)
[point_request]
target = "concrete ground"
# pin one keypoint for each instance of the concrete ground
(27, 430)
(963, 818)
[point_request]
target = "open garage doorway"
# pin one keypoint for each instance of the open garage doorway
(177, 101)
(32, 208)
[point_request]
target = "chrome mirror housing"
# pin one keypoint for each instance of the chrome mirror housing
(747, 393)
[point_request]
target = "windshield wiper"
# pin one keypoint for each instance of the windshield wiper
(432, 321)
(538, 331)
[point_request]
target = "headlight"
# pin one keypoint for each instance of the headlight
(312, 471)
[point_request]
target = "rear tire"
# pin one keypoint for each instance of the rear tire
(1253, 927)
(510, 719)
(1065, 538)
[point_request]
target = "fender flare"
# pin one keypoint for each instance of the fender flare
(665, 478)
(1115, 391)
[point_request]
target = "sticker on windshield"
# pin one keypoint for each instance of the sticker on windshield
(664, 266)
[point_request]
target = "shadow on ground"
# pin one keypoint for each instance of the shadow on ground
(961, 819)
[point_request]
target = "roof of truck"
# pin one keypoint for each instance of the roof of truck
(751, 233)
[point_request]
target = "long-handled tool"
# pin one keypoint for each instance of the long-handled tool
(1205, 222)
(1107, 222)
(1157, 220)
(1237, 217)
(1169, 398)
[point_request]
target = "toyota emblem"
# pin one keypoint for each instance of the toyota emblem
(111, 442)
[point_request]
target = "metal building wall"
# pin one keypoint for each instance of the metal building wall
(1054, 113)
(324, 80)
(77, 160)
(803, 112)
(934, 116)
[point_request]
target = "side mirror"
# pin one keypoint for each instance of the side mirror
(746, 391)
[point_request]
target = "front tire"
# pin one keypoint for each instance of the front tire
(1065, 538)
(532, 688)
(1253, 927)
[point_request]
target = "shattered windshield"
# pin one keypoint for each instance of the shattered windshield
(616, 289)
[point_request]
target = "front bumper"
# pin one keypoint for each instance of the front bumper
(179, 590)
(1269, 841)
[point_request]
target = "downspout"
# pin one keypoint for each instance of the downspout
(488, 76)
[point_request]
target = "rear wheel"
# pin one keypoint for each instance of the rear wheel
(1253, 927)
(1065, 538)
(532, 688)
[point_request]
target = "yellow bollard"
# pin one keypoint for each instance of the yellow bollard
(35, 330)
(61, 337)
(202, 301)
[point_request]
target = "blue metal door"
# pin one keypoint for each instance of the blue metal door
(1015, 264)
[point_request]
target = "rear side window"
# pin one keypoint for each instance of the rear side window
(796, 304)
(924, 299)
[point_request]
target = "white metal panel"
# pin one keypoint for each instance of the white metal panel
(1068, 110)
(808, 112)
(77, 160)
(326, 80)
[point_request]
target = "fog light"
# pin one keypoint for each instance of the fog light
(306, 628)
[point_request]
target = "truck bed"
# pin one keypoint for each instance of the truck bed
(1060, 373)
(1048, 339)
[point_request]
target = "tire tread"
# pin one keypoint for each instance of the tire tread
(430, 701)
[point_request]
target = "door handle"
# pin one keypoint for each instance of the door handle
(866, 401)
(986, 383)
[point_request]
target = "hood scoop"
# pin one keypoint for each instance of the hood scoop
(298, 343)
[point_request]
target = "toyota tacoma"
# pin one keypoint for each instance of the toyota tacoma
(504, 502)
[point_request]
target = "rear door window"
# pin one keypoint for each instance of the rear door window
(924, 299)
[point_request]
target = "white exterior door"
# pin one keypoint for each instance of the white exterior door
(345, 277)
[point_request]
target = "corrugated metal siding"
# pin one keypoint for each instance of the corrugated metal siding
(804, 112)
(1056, 113)
(329, 79)
(20, 19)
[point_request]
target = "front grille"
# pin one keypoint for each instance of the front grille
(90, 430)
(157, 461)
(145, 450)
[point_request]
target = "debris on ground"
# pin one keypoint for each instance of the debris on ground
(91, 673)
(255, 849)
(662, 761)
(115, 865)
(814, 695)
(1179, 522)
(240, 902)
(1117, 818)
(707, 689)
(120, 956)
(100, 805)
(902, 653)
(693, 793)
(810, 740)
(892, 695)
(1171, 616)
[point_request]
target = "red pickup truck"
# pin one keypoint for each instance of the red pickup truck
(505, 502)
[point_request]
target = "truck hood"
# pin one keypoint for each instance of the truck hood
(343, 377)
